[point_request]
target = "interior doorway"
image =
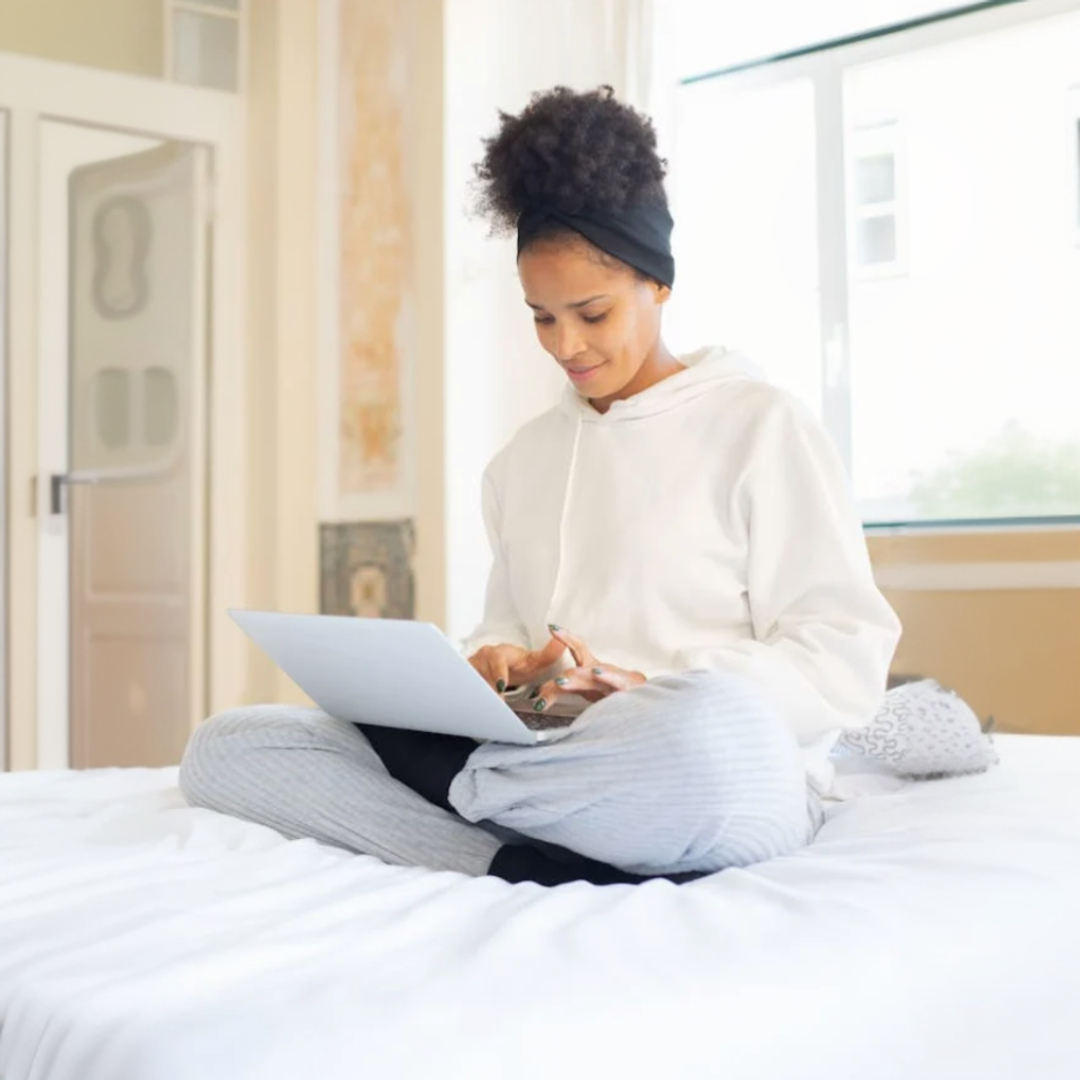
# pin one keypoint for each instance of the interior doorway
(123, 276)
(124, 303)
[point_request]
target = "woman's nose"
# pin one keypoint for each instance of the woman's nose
(568, 344)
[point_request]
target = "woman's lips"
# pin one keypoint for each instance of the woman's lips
(583, 374)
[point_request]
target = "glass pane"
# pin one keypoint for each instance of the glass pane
(875, 239)
(112, 408)
(225, 5)
(748, 268)
(1077, 133)
(122, 236)
(875, 179)
(965, 369)
(161, 406)
(205, 50)
(707, 36)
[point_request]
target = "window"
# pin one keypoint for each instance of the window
(708, 36)
(1074, 139)
(1077, 134)
(751, 264)
(203, 42)
(909, 276)
(873, 184)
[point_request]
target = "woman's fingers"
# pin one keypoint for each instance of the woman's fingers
(536, 661)
(593, 683)
(503, 666)
(616, 678)
(581, 653)
(499, 671)
(572, 681)
(493, 662)
(480, 663)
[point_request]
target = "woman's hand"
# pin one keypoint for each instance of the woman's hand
(590, 679)
(503, 666)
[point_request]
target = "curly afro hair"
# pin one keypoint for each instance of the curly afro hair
(574, 151)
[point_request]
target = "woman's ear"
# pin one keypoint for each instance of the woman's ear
(661, 293)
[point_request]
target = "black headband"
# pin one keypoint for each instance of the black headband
(639, 236)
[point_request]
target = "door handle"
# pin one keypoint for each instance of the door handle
(58, 482)
(139, 474)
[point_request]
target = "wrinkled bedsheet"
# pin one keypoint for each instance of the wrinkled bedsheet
(932, 931)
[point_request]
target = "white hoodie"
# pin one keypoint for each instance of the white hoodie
(703, 523)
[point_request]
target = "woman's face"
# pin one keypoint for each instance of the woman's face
(595, 316)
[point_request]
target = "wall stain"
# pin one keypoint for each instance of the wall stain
(376, 243)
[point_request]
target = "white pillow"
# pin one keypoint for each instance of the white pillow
(923, 730)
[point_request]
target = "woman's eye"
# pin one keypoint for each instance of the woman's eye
(595, 318)
(543, 320)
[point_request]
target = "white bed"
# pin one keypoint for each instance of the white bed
(929, 933)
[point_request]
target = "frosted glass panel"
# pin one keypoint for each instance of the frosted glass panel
(875, 179)
(205, 50)
(876, 239)
(160, 406)
(112, 407)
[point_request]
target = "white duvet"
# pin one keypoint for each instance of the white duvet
(932, 932)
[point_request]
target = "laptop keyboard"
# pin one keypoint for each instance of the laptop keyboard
(544, 721)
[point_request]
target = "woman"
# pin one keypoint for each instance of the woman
(674, 543)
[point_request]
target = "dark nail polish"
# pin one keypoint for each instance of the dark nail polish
(553, 627)
(562, 682)
(598, 671)
(540, 705)
(500, 685)
(533, 693)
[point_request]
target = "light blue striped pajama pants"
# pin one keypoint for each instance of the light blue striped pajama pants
(691, 772)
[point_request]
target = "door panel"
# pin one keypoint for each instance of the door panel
(136, 482)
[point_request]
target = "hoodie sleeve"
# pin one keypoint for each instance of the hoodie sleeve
(500, 625)
(823, 633)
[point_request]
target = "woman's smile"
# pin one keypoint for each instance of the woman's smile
(580, 373)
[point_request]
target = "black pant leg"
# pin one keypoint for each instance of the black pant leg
(423, 761)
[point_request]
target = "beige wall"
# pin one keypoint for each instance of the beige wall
(283, 282)
(496, 375)
(1012, 650)
(382, 443)
(426, 37)
(282, 330)
(119, 35)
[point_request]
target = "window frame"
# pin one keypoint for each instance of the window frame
(824, 65)
(879, 139)
(1072, 143)
(239, 16)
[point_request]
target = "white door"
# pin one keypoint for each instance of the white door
(128, 509)
(109, 377)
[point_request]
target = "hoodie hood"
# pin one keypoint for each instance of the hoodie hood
(705, 369)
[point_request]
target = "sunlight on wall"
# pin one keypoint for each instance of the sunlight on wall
(118, 35)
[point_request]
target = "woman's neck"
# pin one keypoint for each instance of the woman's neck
(660, 364)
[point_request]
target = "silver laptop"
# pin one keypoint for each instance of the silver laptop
(396, 673)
